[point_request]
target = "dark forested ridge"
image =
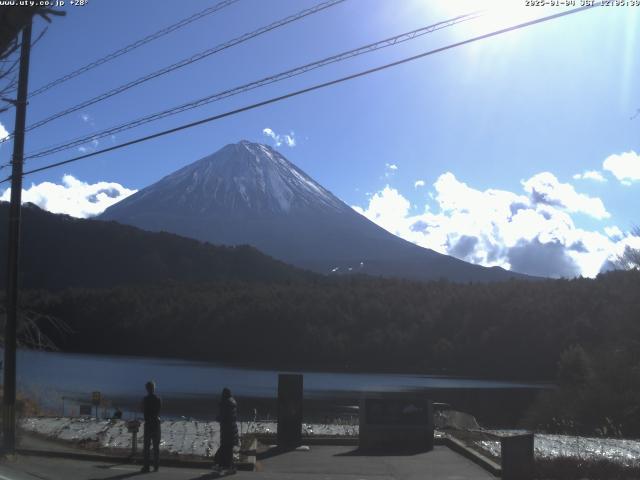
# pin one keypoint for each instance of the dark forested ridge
(513, 329)
(59, 251)
(121, 290)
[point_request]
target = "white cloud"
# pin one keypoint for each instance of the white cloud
(390, 169)
(530, 232)
(3, 132)
(614, 232)
(92, 146)
(73, 197)
(625, 166)
(594, 175)
(419, 183)
(544, 188)
(86, 118)
(388, 209)
(287, 139)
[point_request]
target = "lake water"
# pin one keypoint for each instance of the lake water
(190, 388)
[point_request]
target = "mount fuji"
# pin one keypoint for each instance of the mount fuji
(248, 193)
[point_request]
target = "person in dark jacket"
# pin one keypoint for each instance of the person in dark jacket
(151, 405)
(227, 417)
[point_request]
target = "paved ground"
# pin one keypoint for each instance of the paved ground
(320, 463)
(33, 442)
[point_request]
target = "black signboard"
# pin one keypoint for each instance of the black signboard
(395, 411)
(289, 410)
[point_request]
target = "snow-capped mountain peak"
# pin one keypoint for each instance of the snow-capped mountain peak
(247, 177)
(248, 193)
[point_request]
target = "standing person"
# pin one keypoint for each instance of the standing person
(227, 417)
(151, 407)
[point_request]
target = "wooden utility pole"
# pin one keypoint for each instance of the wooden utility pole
(10, 330)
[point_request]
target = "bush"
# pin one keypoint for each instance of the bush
(597, 395)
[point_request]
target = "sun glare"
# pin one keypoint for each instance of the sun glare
(492, 14)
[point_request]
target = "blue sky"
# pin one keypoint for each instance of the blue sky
(510, 120)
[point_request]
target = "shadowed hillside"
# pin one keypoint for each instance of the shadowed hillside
(60, 251)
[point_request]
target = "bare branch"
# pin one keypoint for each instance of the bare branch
(30, 334)
(7, 71)
(39, 37)
(45, 12)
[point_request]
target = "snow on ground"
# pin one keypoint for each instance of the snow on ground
(201, 439)
(624, 452)
(182, 437)
(107, 433)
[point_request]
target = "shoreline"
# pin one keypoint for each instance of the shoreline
(192, 389)
(311, 368)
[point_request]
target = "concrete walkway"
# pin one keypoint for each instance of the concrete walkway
(321, 462)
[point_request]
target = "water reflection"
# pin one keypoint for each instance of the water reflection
(48, 376)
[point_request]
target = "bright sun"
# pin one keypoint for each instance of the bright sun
(494, 14)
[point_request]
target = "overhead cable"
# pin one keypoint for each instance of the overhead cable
(308, 89)
(404, 37)
(143, 41)
(186, 61)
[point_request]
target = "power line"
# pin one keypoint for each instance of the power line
(187, 61)
(143, 41)
(309, 89)
(257, 83)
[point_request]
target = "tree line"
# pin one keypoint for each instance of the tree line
(514, 329)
